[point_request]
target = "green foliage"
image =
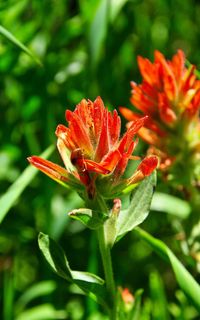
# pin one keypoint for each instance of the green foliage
(185, 280)
(15, 190)
(54, 256)
(85, 51)
(170, 204)
(89, 218)
(16, 42)
(92, 285)
(138, 208)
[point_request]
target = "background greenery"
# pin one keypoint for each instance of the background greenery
(86, 48)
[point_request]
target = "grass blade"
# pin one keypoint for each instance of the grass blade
(14, 191)
(185, 280)
(7, 34)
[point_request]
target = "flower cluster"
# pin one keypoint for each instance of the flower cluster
(170, 95)
(94, 155)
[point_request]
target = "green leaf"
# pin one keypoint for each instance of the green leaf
(170, 204)
(98, 30)
(55, 256)
(42, 288)
(90, 284)
(135, 313)
(8, 35)
(139, 207)
(185, 280)
(158, 298)
(115, 7)
(14, 191)
(88, 217)
(189, 64)
(86, 276)
(42, 312)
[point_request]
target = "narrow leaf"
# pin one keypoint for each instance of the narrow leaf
(15, 190)
(171, 205)
(7, 34)
(115, 7)
(135, 313)
(42, 288)
(42, 312)
(185, 280)
(139, 206)
(92, 286)
(98, 30)
(55, 256)
(87, 277)
(158, 298)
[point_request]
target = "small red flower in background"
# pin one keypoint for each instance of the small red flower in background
(93, 153)
(170, 96)
(128, 299)
(127, 296)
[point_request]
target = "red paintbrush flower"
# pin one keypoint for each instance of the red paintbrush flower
(95, 157)
(170, 95)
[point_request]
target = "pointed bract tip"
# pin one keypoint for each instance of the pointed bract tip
(148, 165)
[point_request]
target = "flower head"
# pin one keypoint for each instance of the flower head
(94, 155)
(170, 95)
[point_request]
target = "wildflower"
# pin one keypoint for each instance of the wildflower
(128, 300)
(94, 155)
(127, 296)
(170, 95)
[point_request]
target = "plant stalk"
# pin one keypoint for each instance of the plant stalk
(108, 271)
(99, 204)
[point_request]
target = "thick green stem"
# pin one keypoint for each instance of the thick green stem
(104, 246)
(108, 271)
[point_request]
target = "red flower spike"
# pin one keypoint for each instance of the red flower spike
(170, 95)
(92, 150)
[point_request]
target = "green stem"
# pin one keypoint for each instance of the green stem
(108, 271)
(107, 261)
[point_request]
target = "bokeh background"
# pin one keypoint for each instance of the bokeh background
(87, 48)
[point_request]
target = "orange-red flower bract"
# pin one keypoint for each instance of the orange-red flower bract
(94, 155)
(170, 95)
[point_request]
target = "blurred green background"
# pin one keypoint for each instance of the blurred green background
(87, 48)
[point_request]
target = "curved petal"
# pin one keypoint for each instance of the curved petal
(54, 171)
(145, 168)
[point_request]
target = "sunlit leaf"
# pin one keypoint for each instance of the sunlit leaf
(39, 289)
(139, 207)
(8, 35)
(92, 285)
(98, 30)
(42, 312)
(115, 7)
(185, 280)
(170, 204)
(15, 190)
